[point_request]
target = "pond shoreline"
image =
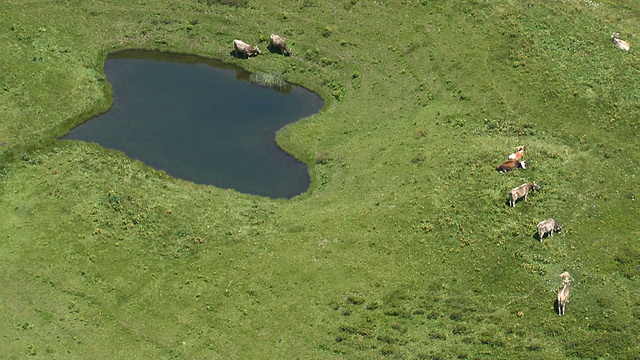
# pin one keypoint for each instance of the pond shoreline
(159, 86)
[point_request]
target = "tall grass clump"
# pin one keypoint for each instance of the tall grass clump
(269, 80)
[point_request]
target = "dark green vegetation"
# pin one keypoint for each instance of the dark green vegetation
(403, 248)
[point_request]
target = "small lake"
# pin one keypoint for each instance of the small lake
(201, 120)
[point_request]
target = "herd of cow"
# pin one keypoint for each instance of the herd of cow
(546, 227)
(276, 43)
(514, 161)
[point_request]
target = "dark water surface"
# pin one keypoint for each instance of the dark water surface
(200, 120)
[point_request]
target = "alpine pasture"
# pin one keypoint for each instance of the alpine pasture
(404, 247)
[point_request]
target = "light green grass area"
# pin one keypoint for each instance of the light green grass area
(404, 246)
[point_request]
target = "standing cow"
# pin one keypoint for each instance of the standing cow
(240, 47)
(563, 294)
(277, 43)
(521, 192)
(548, 227)
(510, 165)
(620, 44)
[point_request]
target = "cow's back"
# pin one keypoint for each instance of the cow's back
(277, 42)
(545, 227)
(520, 192)
(238, 45)
(547, 224)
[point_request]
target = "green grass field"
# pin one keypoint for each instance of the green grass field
(403, 248)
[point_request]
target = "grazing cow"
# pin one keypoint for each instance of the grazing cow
(620, 44)
(245, 49)
(277, 43)
(510, 165)
(521, 192)
(518, 154)
(548, 227)
(563, 294)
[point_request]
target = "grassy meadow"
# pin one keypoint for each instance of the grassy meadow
(404, 246)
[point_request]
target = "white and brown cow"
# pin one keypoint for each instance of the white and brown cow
(518, 154)
(563, 294)
(510, 165)
(620, 44)
(548, 227)
(276, 43)
(521, 192)
(240, 47)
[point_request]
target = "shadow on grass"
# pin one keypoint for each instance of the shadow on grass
(536, 237)
(240, 56)
(276, 50)
(556, 306)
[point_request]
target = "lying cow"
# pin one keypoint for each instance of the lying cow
(563, 294)
(245, 49)
(548, 227)
(277, 43)
(521, 192)
(518, 154)
(510, 165)
(620, 44)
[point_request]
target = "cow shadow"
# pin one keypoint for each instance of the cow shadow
(276, 50)
(556, 306)
(235, 55)
(544, 237)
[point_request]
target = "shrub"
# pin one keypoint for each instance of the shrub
(322, 158)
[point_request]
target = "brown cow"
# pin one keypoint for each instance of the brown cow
(548, 227)
(245, 49)
(521, 192)
(277, 43)
(620, 44)
(563, 294)
(510, 165)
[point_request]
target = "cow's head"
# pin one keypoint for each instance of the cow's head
(536, 186)
(522, 164)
